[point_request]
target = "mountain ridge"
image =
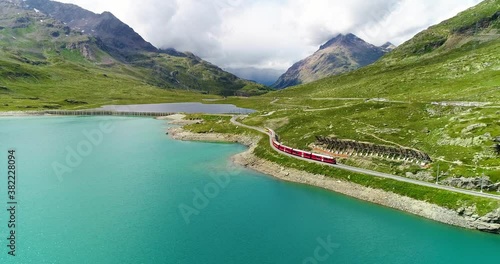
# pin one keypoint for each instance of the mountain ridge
(37, 42)
(117, 36)
(341, 54)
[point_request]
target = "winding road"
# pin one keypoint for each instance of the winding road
(370, 172)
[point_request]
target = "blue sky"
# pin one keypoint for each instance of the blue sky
(272, 34)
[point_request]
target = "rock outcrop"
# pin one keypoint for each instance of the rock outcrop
(473, 183)
(488, 223)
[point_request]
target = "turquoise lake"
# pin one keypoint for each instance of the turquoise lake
(132, 195)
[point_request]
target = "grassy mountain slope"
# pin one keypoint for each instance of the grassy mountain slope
(440, 97)
(44, 62)
(164, 68)
(462, 52)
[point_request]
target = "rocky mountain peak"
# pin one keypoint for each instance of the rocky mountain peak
(388, 47)
(117, 37)
(341, 39)
(340, 54)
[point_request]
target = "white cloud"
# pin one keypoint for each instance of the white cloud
(273, 33)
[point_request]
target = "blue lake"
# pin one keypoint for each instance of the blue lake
(189, 108)
(118, 190)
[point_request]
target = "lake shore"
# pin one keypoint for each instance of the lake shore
(20, 113)
(465, 217)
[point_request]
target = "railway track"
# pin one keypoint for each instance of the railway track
(271, 135)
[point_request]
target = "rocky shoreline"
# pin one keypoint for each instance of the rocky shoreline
(464, 217)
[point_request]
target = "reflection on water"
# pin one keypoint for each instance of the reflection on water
(180, 108)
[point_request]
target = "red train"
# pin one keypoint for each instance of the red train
(303, 154)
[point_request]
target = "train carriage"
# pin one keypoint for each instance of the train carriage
(301, 153)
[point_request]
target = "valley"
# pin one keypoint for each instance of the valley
(438, 93)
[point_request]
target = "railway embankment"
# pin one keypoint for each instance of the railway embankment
(464, 217)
